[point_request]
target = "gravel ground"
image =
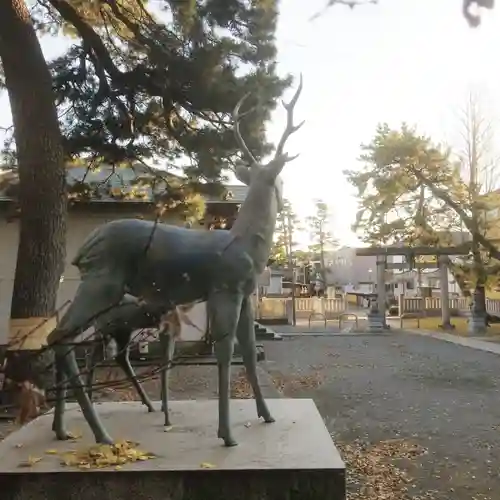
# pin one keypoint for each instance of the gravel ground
(375, 390)
(414, 417)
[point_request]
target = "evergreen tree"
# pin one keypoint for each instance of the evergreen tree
(138, 84)
(410, 192)
(287, 221)
(321, 235)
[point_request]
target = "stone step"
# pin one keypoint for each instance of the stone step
(265, 333)
(293, 458)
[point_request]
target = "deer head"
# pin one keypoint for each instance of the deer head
(268, 173)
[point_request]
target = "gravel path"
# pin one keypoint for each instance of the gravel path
(442, 397)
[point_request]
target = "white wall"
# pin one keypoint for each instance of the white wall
(275, 285)
(364, 288)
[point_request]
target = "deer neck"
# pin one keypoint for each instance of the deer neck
(255, 224)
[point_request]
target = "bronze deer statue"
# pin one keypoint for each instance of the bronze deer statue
(168, 266)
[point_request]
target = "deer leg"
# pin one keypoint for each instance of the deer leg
(224, 307)
(245, 334)
(94, 358)
(123, 361)
(70, 366)
(60, 400)
(168, 348)
(98, 292)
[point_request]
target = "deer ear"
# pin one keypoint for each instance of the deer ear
(242, 173)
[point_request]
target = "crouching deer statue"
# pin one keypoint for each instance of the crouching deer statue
(168, 265)
(119, 324)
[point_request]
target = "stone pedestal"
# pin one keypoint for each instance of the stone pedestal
(292, 459)
(376, 322)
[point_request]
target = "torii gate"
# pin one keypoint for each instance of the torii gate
(376, 316)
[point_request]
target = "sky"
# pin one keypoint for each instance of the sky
(401, 60)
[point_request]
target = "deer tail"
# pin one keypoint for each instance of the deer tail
(93, 239)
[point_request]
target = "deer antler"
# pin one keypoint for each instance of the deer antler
(290, 127)
(237, 133)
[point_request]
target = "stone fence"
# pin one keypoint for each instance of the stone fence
(430, 305)
(277, 308)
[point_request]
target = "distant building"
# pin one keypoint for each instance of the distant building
(356, 274)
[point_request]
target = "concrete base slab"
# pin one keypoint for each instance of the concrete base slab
(293, 458)
(377, 322)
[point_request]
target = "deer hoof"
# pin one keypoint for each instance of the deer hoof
(265, 414)
(62, 435)
(229, 442)
(104, 439)
(228, 439)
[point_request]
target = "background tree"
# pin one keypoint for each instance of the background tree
(40, 158)
(410, 191)
(480, 172)
(394, 206)
(287, 220)
(321, 236)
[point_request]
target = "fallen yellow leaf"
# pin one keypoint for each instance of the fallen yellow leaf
(30, 462)
(103, 455)
(207, 465)
(51, 452)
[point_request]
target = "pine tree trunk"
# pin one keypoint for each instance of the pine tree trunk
(42, 199)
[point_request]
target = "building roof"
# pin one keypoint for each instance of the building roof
(236, 194)
(105, 179)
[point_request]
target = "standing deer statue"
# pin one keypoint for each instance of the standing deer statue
(166, 266)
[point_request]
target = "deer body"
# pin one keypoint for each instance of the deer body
(168, 266)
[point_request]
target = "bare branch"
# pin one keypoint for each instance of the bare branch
(347, 3)
(472, 18)
(468, 222)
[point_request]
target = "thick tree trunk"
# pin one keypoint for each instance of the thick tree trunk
(42, 198)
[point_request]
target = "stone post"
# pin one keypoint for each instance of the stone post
(376, 317)
(477, 319)
(381, 296)
(445, 296)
